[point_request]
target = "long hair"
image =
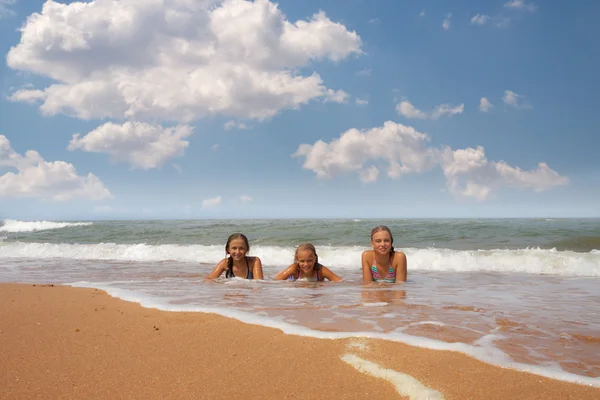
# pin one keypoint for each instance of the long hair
(386, 229)
(307, 246)
(229, 239)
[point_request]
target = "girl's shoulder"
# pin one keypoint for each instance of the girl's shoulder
(367, 253)
(399, 255)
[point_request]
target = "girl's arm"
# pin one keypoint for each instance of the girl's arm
(257, 269)
(219, 269)
(286, 273)
(401, 267)
(366, 268)
(327, 273)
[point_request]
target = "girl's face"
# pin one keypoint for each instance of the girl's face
(306, 260)
(381, 242)
(237, 249)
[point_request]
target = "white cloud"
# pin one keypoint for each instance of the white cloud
(177, 168)
(403, 150)
(5, 10)
(177, 60)
(231, 124)
(361, 102)
(480, 19)
(215, 147)
(336, 96)
(142, 145)
(520, 5)
(407, 110)
(55, 180)
(446, 22)
(27, 96)
(374, 21)
(212, 202)
(469, 174)
(422, 13)
(364, 72)
(515, 100)
(485, 105)
(399, 148)
(245, 199)
(369, 175)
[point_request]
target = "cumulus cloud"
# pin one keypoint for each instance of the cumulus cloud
(361, 102)
(446, 22)
(515, 100)
(142, 145)
(398, 148)
(520, 5)
(480, 19)
(27, 96)
(485, 105)
(470, 174)
(407, 110)
(245, 199)
(212, 202)
(54, 180)
(402, 150)
(177, 60)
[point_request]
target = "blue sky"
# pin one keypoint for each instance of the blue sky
(240, 109)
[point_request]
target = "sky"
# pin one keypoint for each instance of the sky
(169, 109)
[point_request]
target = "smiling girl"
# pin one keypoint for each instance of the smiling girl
(306, 267)
(238, 264)
(383, 263)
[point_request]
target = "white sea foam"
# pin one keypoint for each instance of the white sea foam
(404, 384)
(14, 226)
(534, 261)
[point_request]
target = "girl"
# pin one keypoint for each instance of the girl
(306, 267)
(238, 265)
(383, 264)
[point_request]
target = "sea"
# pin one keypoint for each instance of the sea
(518, 293)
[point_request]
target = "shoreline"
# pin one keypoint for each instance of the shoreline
(67, 342)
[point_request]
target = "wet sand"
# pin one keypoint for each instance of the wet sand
(63, 342)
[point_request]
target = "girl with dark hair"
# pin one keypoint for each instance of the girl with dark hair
(237, 264)
(306, 267)
(383, 263)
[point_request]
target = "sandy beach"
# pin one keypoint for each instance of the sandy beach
(64, 342)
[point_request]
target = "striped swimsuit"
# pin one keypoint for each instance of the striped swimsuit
(391, 275)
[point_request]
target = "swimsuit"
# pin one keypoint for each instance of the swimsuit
(230, 274)
(296, 276)
(391, 275)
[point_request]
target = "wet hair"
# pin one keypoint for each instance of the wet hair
(229, 239)
(308, 246)
(386, 229)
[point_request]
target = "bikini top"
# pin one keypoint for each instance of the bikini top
(296, 275)
(229, 273)
(391, 275)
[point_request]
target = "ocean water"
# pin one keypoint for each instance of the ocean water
(520, 293)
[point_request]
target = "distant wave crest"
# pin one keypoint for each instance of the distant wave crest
(531, 261)
(14, 226)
